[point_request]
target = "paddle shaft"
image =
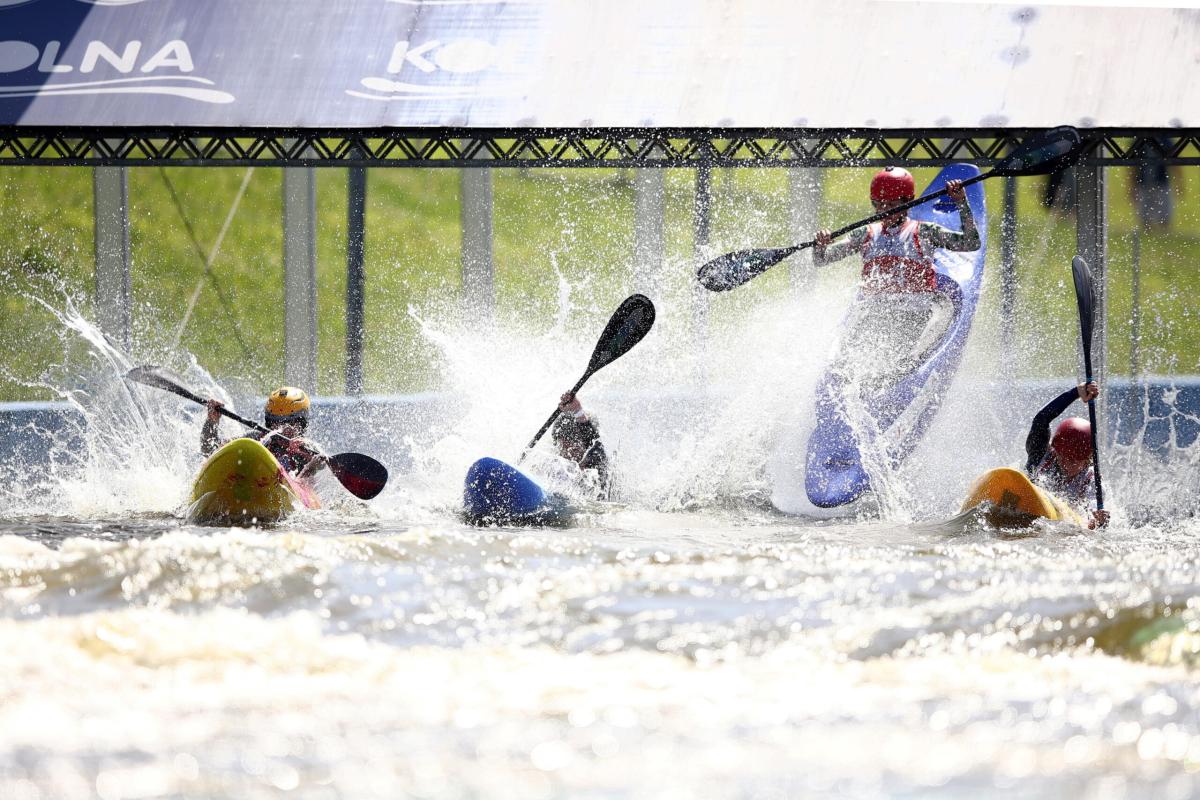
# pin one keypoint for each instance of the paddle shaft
(1085, 301)
(195, 398)
(779, 254)
(546, 425)
(1087, 367)
(893, 211)
(363, 476)
(626, 327)
(1006, 167)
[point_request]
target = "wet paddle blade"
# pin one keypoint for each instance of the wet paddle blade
(1087, 308)
(628, 325)
(1041, 155)
(363, 476)
(161, 378)
(733, 269)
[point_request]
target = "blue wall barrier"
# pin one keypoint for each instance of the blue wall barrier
(1163, 412)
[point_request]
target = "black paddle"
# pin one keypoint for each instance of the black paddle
(363, 476)
(1087, 314)
(1040, 155)
(629, 324)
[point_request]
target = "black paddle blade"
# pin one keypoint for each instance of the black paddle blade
(1041, 155)
(363, 476)
(162, 378)
(628, 325)
(733, 269)
(1087, 307)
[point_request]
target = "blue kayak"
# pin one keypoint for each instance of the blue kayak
(834, 472)
(496, 493)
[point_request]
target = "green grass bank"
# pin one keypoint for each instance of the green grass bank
(575, 224)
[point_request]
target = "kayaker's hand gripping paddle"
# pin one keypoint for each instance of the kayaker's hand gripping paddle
(628, 325)
(1041, 155)
(363, 476)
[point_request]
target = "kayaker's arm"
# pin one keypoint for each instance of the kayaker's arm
(577, 437)
(209, 433)
(595, 456)
(827, 252)
(312, 458)
(314, 465)
(964, 242)
(1038, 440)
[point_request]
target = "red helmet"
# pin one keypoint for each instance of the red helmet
(1073, 439)
(891, 184)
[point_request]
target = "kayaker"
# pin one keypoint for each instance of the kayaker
(576, 437)
(1062, 462)
(286, 413)
(900, 313)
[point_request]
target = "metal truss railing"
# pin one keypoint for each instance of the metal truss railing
(563, 147)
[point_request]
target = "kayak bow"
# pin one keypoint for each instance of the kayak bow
(243, 484)
(1013, 501)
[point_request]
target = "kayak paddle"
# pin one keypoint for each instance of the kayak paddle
(363, 476)
(1087, 314)
(1039, 155)
(628, 325)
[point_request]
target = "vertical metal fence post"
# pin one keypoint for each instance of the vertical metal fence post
(1091, 241)
(110, 215)
(1008, 278)
(805, 190)
(300, 277)
(649, 210)
(356, 278)
(478, 269)
(1135, 317)
(702, 227)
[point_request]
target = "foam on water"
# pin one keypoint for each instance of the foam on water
(834, 661)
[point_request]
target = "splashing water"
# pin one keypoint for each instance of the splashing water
(689, 642)
(126, 451)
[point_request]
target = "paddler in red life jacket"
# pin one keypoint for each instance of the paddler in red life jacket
(900, 313)
(576, 437)
(286, 414)
(1062, 463)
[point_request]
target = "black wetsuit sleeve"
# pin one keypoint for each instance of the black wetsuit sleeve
(208, 437)
(595, 458)
(1038, 440)
(586, 436)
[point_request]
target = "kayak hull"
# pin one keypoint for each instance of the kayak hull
(243, 484)
(496, 493)
(835, 474)
(1012, 500)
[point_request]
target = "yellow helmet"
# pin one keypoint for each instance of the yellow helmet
(287, 404)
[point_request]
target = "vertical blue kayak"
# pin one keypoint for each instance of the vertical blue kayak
(834, 474)
(496, 493)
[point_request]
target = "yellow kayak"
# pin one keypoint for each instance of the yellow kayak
(1015, 501)
(243, 484)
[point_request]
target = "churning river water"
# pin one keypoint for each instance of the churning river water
(689, 642)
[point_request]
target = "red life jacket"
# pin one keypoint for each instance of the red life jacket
(895, 261)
